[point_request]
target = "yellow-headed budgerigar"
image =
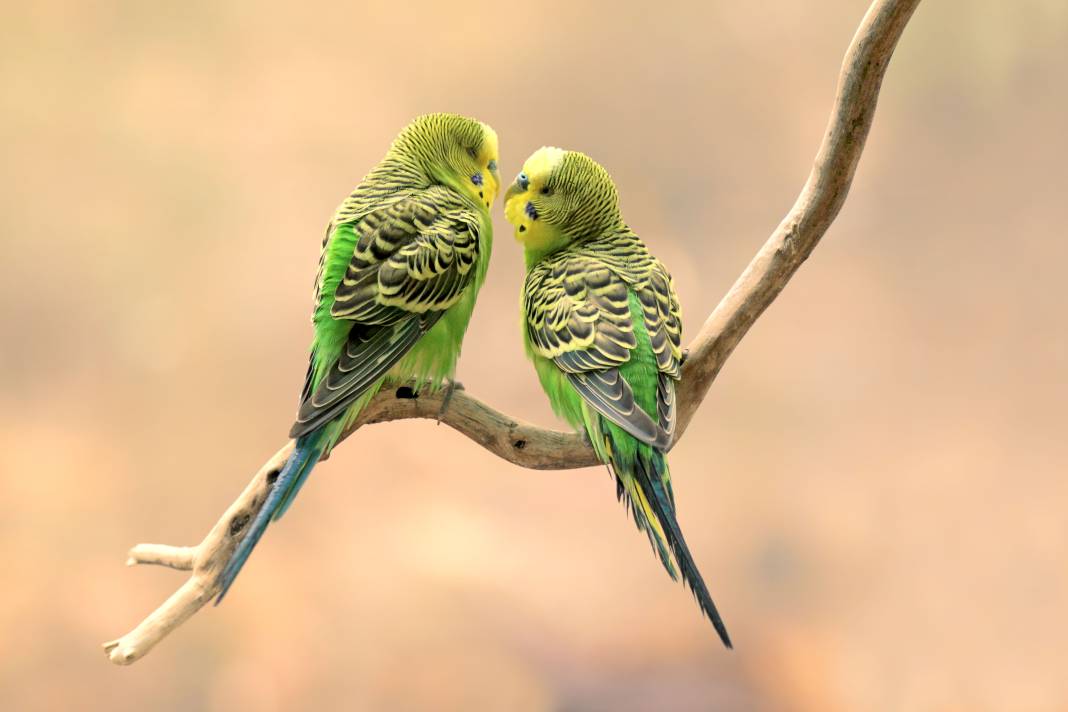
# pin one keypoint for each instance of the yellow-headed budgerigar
(602, 325)
(402, 262)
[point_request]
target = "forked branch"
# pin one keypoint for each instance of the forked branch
(529, 446)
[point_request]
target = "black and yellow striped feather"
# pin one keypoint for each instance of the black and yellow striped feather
(578, 315)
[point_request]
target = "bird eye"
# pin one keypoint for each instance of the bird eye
(546, 191)
(472, 152)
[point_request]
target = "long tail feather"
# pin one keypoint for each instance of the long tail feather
(293, 475)
(652, 506)
(665, 513)
(645, 519)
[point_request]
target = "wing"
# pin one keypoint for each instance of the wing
(663, 318)
(412, 261)
(663, 322)
(578, 314)
(414, 257)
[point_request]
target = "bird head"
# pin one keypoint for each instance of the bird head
(559, 198)
(455, 151)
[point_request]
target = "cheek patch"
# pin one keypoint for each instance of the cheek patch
(530, 211)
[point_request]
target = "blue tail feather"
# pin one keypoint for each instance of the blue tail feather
(293, 475)
(650, 471)
(314, 450)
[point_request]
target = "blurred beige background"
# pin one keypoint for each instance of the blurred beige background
(875, 489)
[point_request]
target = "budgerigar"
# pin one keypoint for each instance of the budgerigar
(602, 325)
(403, 260)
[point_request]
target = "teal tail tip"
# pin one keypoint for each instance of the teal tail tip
(279, 497)
(721, 629)
(650, 475)
(704, 601)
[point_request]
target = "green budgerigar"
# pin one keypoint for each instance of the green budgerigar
(602, 325)
(402, 263)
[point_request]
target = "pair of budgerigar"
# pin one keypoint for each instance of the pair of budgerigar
(403, 260)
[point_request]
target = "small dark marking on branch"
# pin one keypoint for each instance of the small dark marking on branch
(238, 523)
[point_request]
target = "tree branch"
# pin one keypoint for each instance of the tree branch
(532, 447)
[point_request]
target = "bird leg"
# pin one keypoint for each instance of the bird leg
(453, 386)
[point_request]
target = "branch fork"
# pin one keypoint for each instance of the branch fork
(206, 561)
(537, 448)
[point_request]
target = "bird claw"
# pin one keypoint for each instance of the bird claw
(449, 390)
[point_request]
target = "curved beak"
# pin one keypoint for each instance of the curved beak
(522, 182)
(513, 191)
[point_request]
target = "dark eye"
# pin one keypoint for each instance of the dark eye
(472, 152)
(546, 191)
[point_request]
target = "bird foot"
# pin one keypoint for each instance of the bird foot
(449, 390)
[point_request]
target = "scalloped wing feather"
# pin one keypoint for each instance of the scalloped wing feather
(578, 315)
(411, 261)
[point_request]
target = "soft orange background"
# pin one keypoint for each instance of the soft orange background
(875, 488)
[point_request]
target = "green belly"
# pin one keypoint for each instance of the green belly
(432, 360)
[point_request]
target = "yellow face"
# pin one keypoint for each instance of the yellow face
(485, 181)
(522, 199)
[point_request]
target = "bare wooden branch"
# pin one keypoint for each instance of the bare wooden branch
(206, 561)
(814, 210)
(532, 447)
(518, 442)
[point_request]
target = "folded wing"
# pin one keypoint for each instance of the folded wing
(412, 261)
(579, 315)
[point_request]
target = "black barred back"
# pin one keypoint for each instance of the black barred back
(412, 164)
(412, 261)
(577, 313)
(414, 256)
(589, 202)
(391, 181)
(624, 257)
(417, 245)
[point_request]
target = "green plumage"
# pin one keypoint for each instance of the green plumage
(402, 263)
(403, 260)
(602, 324)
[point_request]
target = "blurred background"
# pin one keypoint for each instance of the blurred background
(875, 488)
